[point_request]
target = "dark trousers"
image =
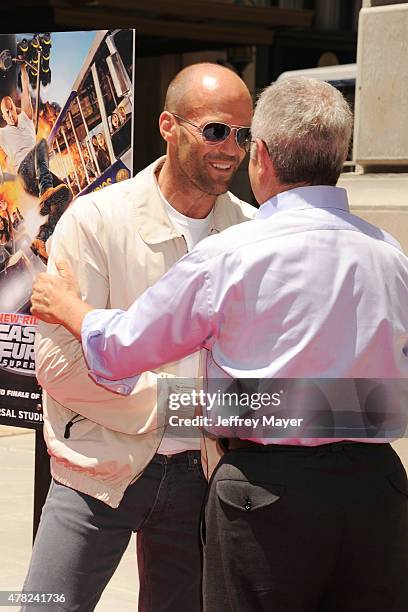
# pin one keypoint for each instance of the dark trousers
(34, 170)
(295, 529)
(81, 540)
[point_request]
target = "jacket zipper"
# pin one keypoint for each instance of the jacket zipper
(70, 423)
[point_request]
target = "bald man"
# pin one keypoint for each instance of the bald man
(115, 469)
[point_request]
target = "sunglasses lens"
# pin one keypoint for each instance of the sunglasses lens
(244, 138)
(216, 132)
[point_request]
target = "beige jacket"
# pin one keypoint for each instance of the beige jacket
(119, 241)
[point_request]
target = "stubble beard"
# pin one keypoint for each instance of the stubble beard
(197, 175)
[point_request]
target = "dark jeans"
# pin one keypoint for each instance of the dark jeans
(295, 529)
(81, 540)
(35, 172)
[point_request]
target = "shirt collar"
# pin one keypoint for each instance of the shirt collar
(152, 220)
(300, 198)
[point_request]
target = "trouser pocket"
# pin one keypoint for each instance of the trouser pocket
(248, 496)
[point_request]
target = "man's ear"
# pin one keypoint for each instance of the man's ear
(260, 156)
(167, 126)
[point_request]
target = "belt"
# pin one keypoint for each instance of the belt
(230, 444)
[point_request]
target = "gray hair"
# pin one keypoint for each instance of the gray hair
(306, 125)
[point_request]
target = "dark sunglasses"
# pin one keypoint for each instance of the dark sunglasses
(214, 133)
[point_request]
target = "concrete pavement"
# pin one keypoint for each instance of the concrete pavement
(16, 508)
(16, 511)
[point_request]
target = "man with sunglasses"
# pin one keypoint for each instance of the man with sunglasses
(114, 468)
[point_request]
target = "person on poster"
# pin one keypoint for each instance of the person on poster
(102, 154)
(122, 114)
(114, 469)
(306, 290)
(90, 168)
(116, 122)
(5, 223)
(16, 220)
(6, 246)
(28, 159)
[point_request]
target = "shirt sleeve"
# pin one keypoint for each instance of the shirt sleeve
(172, 319)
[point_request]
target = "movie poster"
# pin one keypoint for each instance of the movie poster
(66, 128)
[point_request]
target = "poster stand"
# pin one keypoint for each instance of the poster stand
(42, 478)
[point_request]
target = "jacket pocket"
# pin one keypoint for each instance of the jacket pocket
(247, 496)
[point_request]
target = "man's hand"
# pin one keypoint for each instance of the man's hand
(53, 294)
(56, 299)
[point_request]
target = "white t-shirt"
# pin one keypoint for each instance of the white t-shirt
(17, 140)
(193, 231)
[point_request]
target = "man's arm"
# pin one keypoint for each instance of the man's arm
(26, 105)
(169, 321)
(5, 164)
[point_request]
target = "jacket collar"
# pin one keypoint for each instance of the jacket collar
(152, 221)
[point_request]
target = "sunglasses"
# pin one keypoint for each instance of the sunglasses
(214, 133)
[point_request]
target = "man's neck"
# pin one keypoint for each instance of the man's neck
(274, 189)
(183, 195)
